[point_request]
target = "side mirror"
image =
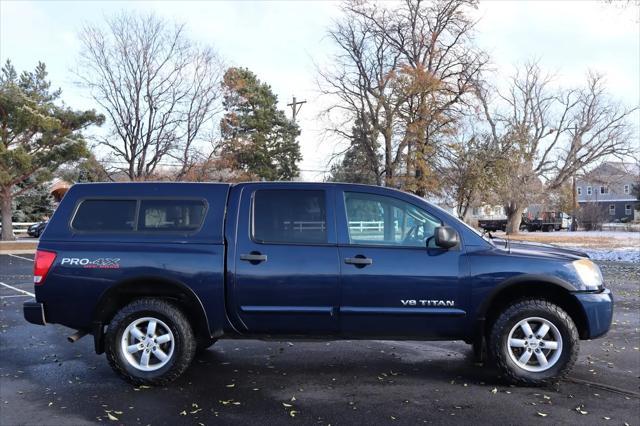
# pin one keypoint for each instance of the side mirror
(446, 237)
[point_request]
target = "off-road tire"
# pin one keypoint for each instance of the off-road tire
(184, 349)
(498, 345)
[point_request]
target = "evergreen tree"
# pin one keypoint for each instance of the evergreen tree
(360, 164)
(33, 205)
(258, 139)
(38, 135)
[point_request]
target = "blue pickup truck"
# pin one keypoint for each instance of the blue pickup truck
(158, 271)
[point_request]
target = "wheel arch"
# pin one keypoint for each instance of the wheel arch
(117, 296)
(551, 289)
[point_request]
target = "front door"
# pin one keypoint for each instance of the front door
(395, 282)
(286, 260)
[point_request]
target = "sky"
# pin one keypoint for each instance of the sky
(284, 41)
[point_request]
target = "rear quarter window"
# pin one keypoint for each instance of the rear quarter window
(105, 216)
(140, 215)
(171, 215)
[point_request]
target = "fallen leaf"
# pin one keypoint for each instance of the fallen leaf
(494, 390)
(232, 385)
(183, 413)
(542, 414)
(112, 417)
(287, 405)
(293, 413)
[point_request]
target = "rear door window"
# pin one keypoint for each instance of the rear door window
(105, 216)
(289, 216)
(171, 215)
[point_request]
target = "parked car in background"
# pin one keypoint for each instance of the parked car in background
(36, 229)
(156, 271)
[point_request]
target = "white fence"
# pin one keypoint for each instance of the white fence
(20, 228)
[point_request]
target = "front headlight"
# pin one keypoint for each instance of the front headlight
(589, 273)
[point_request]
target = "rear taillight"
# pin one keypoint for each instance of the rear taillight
(44, 260)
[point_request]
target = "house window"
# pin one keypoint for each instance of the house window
(627, 209)
(588, 190)
(626, 188)
(476, 211)
(579, 191)
(612, 209)
(604, 190)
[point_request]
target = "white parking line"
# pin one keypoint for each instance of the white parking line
(18, 290)
(20, 257)
(14, 295)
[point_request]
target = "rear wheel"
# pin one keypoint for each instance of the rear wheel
(534, 342)
(150, 341)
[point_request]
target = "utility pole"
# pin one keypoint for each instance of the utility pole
(295, 107)
(574, 202)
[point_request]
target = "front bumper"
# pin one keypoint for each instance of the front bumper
(598, 308)
(34, 312)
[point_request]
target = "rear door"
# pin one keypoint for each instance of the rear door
(395, 281)
(286, 260)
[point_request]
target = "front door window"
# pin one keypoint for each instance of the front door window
(379, 220)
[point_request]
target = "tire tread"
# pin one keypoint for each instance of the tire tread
(495, 341)
(167, 309)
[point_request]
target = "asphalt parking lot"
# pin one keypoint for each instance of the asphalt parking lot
(46, 380)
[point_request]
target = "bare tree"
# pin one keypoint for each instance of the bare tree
(159, 91)
(550, 134)
(469, 169)
(410, 72)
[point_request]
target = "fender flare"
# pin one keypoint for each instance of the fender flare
(520, 279)
(163, 287)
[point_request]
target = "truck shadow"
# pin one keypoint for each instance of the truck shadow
(255, 363)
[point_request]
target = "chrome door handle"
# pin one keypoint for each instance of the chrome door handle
(358, 261)
(254, 257)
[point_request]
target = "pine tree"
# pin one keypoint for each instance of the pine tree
(258, 139)
(360, 164)
(38, 135)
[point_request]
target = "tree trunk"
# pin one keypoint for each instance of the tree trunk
(514, 218)
(7, 225)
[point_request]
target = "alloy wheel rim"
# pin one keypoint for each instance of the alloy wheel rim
(147, 344)
(534, 344)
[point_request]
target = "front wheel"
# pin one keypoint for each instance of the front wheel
(150, 342)
(534, 342)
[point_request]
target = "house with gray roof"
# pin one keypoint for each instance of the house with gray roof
(609, 190)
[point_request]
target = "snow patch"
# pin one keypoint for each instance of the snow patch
(623, 254)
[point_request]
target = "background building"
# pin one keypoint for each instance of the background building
(607, 192)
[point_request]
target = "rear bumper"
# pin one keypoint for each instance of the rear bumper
(598, 308)
(34, 312)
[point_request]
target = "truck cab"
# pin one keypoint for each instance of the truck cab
(157, 271)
